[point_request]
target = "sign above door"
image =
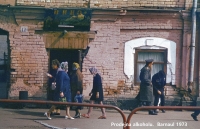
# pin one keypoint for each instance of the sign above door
(67, 19)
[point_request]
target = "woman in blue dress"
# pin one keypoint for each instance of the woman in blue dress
(63, 90)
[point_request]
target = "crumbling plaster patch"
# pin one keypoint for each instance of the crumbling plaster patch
(19, 85)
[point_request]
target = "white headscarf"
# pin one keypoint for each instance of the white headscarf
(64, 66)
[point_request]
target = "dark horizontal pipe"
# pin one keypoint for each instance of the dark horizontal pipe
(56, 103)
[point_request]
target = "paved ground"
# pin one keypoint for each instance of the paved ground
(34, 119)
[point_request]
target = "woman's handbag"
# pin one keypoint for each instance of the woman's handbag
(53, 85)
(62, 99)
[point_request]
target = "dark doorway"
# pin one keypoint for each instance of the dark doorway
(69, 55)
(62, 55)
(4, 64)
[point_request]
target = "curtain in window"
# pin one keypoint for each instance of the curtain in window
(158, 62)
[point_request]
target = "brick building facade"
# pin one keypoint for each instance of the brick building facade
(119, 31)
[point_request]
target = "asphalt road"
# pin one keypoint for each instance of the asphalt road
(34, 119)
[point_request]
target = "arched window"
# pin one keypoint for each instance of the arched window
(159, 56)
(163, 51)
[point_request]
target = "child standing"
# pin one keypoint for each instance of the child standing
(79, 99)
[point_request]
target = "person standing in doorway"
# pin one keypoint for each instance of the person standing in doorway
(159, 82)
(146, 88)
(96, 93)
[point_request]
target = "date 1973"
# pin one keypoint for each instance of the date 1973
(181, 123)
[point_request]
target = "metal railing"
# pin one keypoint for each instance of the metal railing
(126, 122)
(159, 107)
(67, 103)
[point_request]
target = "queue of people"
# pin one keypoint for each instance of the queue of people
(70, 89)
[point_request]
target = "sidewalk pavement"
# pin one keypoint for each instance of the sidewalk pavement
(34, 119)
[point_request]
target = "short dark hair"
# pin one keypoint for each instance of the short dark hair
(162, 73)
(78, 90)
(56, 62)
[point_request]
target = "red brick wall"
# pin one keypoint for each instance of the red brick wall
(108, 3)
(29, 60)
(110, 39)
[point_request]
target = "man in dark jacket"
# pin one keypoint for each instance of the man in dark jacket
(146, 88)
(159, 81)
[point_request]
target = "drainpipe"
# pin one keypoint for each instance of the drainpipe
(192, 46)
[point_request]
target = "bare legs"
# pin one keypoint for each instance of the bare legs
(47, 114)
(91, 108)
(67, 113)
(103, 109)
(53, 107)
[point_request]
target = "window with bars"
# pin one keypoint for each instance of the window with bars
(160, 61)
